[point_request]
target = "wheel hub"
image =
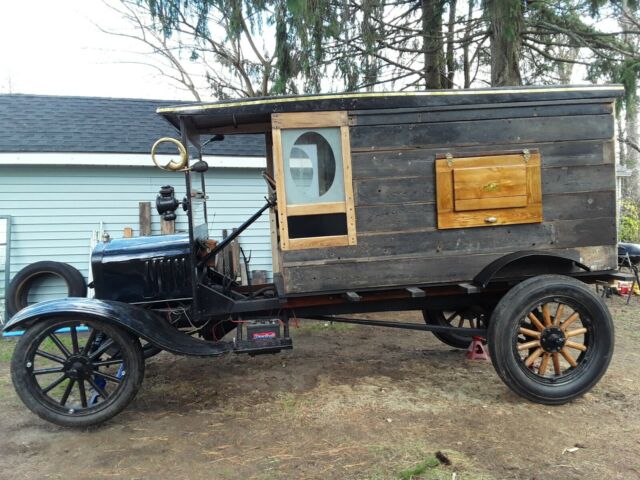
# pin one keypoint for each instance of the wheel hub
(78, 367)
(552, 339)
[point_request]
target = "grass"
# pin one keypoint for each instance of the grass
(319, 326)
(288, 402)
(6, 388)
(430, 463)
(391, 460)
(6, 349)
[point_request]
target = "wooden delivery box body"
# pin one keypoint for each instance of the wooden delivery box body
(436, 190)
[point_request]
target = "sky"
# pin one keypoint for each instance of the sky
(53, 47)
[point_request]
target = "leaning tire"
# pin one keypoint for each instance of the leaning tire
(551, 339)
(20, 286)
(83, 382)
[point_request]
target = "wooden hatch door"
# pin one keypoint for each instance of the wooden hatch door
(489, 190)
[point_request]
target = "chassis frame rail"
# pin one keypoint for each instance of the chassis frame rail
(468, 332)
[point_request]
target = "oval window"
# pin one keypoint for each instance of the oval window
(312, 163)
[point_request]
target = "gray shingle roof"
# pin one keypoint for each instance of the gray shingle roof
(42, 123)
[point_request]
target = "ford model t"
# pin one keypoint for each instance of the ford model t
(488, 210)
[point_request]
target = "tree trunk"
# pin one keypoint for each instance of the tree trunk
(466, 63)
(631, 133)
(630, 109)
(432, 43)
(451, 66)
(506, 19)
(565, 69)
(622, 146)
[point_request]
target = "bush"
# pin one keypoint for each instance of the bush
(629, 230)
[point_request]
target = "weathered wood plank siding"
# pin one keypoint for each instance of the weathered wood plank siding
(393, 154)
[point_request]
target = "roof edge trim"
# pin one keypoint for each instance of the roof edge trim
(429, 93)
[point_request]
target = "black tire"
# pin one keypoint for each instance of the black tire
(149, 350)
(528, 344)
(95, 378)
(18, 291)
(474, 316)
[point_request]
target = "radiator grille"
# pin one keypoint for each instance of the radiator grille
(164, 276)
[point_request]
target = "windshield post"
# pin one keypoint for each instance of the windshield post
(187, 141)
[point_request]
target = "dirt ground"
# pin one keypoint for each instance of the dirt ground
(348, 402)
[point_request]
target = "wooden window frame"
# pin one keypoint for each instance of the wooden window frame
(285, 121)
(448, 217)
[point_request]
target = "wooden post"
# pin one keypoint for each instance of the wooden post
(128, 232)
(145, 218)
(167, 227)
(235, 258)
(244, 275)
(227, 263)
(273, 214)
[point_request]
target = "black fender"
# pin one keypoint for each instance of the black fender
(538, 258)
(136, 320)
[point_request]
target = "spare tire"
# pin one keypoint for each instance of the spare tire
(18, 291)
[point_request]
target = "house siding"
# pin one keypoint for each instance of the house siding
(3, 252)
(55, 209)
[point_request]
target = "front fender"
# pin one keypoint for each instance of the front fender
(136, 320)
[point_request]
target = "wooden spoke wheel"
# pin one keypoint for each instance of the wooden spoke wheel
(552, 339)
(76, 372)
(469, 317)
(557, 342)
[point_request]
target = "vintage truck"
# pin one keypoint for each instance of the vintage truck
(488, 210)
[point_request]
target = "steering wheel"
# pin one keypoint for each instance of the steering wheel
(172, 165)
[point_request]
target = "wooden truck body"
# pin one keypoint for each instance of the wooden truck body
(547, 168)
(544, 157)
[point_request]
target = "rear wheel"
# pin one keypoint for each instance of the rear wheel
(469, 317)
(552, 339)
(76, 372)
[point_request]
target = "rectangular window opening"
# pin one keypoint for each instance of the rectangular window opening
(325, 225)
(312, 163)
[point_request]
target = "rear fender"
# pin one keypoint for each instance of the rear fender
(140, 322)
(528, 262)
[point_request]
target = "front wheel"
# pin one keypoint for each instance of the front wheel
(551, 339)
(76, 372)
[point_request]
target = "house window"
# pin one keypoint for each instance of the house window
(312, 160)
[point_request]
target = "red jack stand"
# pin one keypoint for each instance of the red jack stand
(477, 350)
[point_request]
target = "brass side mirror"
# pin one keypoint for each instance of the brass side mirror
(172, 165)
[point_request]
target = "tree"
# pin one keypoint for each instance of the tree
(506, 23)
(248, 48)
(400, 44)
(227, 42)
(268, 47)
(167, 59)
